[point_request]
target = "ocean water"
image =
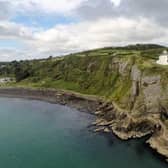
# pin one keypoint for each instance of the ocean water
(35, 134)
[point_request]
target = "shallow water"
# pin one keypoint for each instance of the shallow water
(35, 134)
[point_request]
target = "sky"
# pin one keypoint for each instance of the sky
(41, 28)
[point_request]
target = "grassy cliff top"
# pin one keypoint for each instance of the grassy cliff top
(95, 72)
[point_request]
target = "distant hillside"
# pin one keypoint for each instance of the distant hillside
(98, 72)
(42, 68)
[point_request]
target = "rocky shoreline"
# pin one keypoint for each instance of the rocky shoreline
(109, 117)
(127, 126)
(71, 99)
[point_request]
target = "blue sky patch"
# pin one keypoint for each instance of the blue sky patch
(44, 21)
(6, 44)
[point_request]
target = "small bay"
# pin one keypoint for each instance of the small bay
(36, 134)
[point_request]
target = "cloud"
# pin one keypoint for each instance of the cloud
(96, 9)
(13, 54)
(46, 6)
(87, 35)
(63, 39)
(53, 6)
(11, 30)
(155, 10)
(151, 9)
(119, 29)
(64, 7)
(99, 23)
(5, 10)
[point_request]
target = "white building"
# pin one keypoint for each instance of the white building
(163, 59)
(6, 80)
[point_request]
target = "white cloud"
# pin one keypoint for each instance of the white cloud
(104, 23)
(11, 30)
(46, 6)
(14, 54)
(88, 35)
(116, 2)
(104, 30)
(5, 10)
(63, 39)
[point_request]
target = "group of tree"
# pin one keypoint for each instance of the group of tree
(18, 69)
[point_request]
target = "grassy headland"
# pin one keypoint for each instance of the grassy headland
(127, 76)
(93, 72)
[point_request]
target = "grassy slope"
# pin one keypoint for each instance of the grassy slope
(93, 72)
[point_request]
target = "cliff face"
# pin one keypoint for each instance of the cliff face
(149, 94)
(146, 88)
(144, 106)
(150, 100)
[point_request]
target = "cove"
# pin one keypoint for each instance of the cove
(36, 134)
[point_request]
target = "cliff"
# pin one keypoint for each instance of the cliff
(134, 88)
(145, 112)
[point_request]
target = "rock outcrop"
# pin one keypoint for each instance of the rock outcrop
(147, 113)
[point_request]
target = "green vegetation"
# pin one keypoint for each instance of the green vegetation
(95, 72)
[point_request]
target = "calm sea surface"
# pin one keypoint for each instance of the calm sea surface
(35, 134)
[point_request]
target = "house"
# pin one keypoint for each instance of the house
(163, 58)
(6, 80)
